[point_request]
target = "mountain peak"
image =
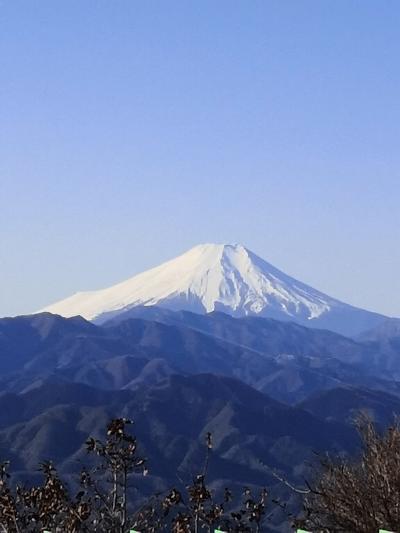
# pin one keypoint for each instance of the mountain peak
(217, 249)
(212, 277)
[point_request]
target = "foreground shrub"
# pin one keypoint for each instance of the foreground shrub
(357, 495)
(102, 503)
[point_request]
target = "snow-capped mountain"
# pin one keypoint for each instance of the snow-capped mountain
(220, 277)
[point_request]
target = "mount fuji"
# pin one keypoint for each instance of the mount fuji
(221, 277)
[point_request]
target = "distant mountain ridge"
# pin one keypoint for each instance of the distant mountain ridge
(282, 359)
(249, 429)
(221, 277)
(270, 392)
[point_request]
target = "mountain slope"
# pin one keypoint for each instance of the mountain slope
(385, 331)
(282, 359)
(345, 403)
(217, 277)
(171, 420)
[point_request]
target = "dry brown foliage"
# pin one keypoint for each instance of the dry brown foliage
(360, 495)
(102, 504)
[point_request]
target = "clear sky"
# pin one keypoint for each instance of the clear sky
(132, 130)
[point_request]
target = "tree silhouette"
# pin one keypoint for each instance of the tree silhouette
(360, 495)
(102, 503)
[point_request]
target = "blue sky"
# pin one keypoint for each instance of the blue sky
(133, 130)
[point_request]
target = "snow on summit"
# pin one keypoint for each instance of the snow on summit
(206, 278)
(210, 277)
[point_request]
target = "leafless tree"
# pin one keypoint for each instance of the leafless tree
(101, 505)
(359, 495)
